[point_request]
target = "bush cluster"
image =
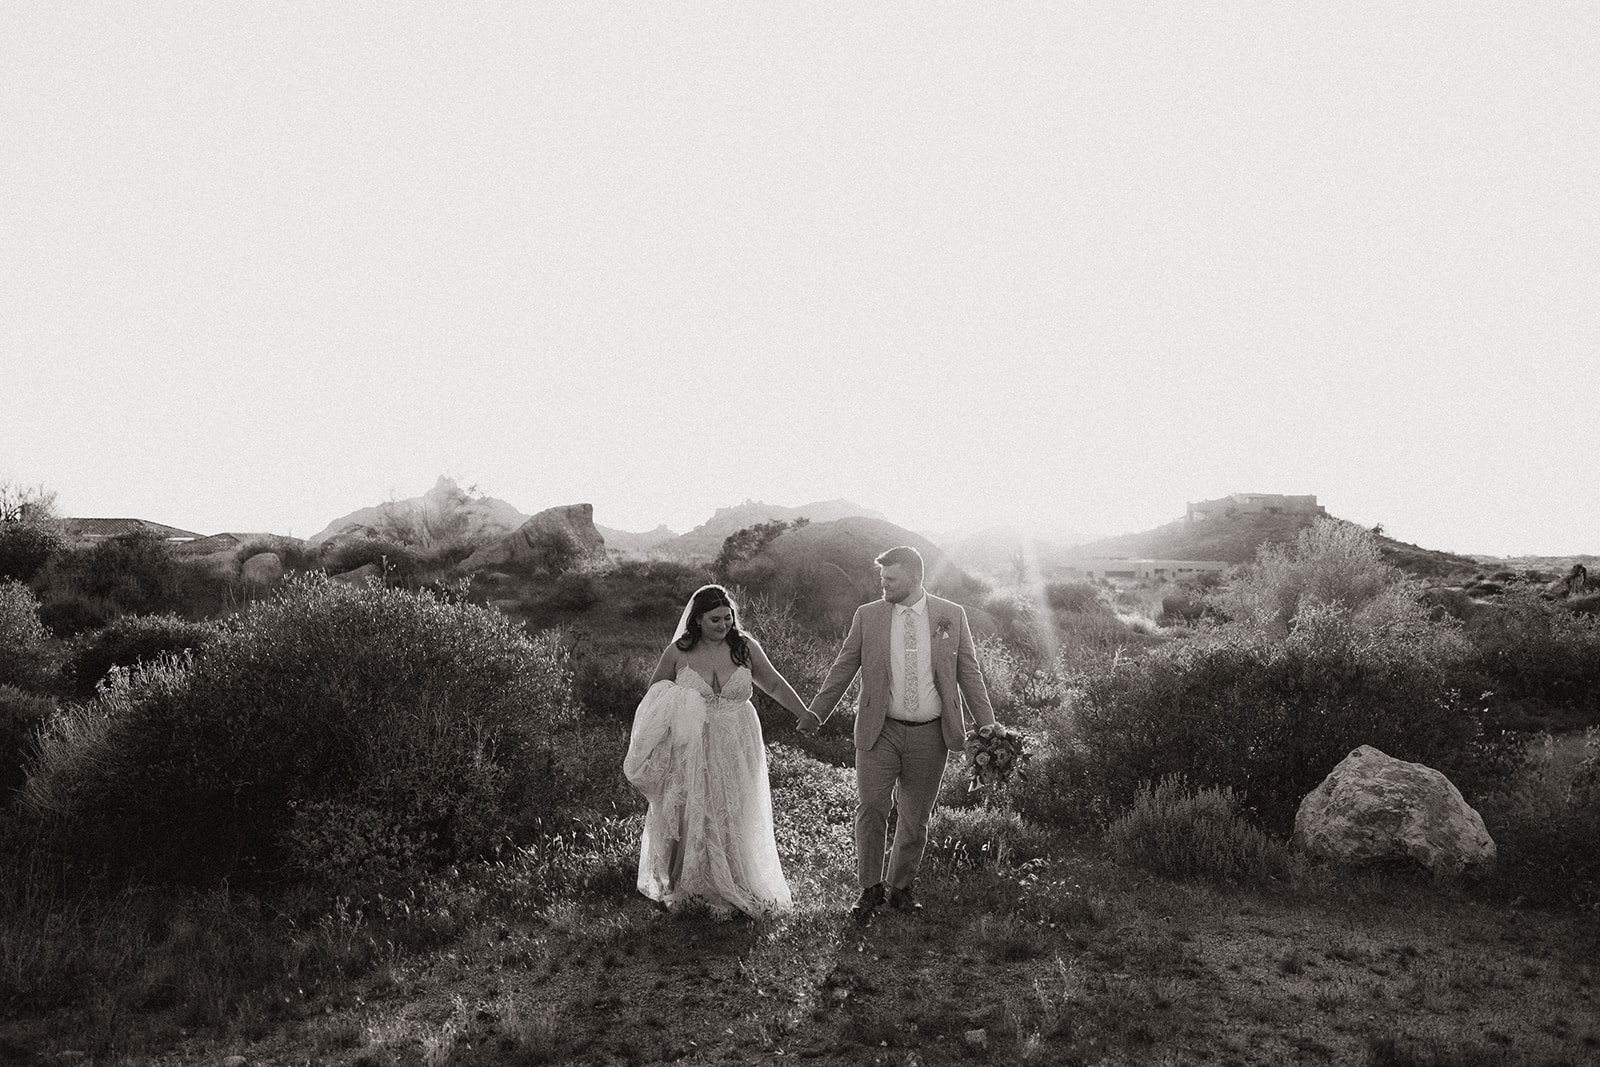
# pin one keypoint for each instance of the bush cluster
(22, 714)
(337, 732)
(25, 649)
(1545, 823)
(135, 575)
(656, 588)
(1528, 651)
(25, 548)
(1269, 718)
(983, 837)
(1181, 832)
(126, 641)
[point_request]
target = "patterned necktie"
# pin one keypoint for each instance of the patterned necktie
(911, 701)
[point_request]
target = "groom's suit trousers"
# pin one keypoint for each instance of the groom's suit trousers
(915, 755)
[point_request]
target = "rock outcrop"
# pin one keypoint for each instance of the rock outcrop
(535, 544)
(705, 540)
(1373, 807)
(445, 511)
(263, 568)
(367, 572)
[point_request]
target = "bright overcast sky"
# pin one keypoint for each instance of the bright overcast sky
(1065, 265)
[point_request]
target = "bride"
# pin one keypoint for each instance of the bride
(697, 755)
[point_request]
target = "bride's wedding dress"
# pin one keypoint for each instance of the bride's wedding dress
(697, 755)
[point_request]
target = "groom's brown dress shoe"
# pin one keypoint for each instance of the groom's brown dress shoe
(903, 900)
(871, 897)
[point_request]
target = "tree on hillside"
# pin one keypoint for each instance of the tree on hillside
(747, 543)
(26, 503)
(28, 534)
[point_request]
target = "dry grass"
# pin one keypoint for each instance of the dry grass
(1379, 970)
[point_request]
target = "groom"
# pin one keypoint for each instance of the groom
(916, 659)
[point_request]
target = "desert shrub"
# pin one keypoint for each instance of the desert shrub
(747, 543)
(610, 686)
(68, 616)
(26, 651)
(25, 548)
(983, 836)
(1182, 832)
(1092, 638)
(135, 572)
(1073, 597)
(21, 716)
(655, 589)
(331, 731)
(1545, 824)
(1329, 562)
(131, 575)
(1001, 665)
(1063, 790)
(126, 641)
(575, 591)
(1527, 650)
(1269, 718)
(1442, 600)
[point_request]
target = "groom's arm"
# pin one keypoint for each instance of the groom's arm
(969, 676)
(841, 674)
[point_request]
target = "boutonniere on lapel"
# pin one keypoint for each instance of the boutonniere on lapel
(944, 629)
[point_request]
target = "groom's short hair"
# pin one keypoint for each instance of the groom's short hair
(903, 556)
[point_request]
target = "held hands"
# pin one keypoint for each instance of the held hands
(808, 723)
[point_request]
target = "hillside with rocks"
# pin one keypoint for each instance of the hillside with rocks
(828, 566)
(1237, 539)
(443, 512)
(705, 540)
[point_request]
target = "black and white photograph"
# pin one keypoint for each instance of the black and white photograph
(729, 533)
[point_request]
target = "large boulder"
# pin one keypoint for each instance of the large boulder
(535, 545)
(367, 573)
(1373, 807)
(263, 568)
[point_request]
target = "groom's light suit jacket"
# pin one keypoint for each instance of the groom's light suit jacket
(866, 649)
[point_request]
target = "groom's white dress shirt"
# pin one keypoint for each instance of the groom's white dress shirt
(927, 694)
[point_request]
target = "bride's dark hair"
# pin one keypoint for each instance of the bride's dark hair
(708, 598)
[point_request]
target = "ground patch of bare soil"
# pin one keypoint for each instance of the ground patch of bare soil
(1081, 963)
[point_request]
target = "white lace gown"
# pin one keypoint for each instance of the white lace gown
(698, 757)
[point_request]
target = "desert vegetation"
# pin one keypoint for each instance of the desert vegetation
(383, 822)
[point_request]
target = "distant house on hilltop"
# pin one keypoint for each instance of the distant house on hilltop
(84, 533)
(1255, 504)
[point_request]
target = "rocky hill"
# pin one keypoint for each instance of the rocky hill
(827, 567)
(1237, 539)
(705, 540)
(443, 512)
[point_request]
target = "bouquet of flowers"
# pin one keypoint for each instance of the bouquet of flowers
(993, 756)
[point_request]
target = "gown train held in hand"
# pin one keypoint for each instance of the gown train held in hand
(698, 757)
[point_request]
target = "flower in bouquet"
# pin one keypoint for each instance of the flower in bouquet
(994, 756)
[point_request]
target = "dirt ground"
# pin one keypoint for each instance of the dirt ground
(1137, 971)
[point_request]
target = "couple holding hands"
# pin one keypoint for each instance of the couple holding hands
(697, 754)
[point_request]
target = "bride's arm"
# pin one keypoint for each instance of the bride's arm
(667, 666)
(772, 683)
